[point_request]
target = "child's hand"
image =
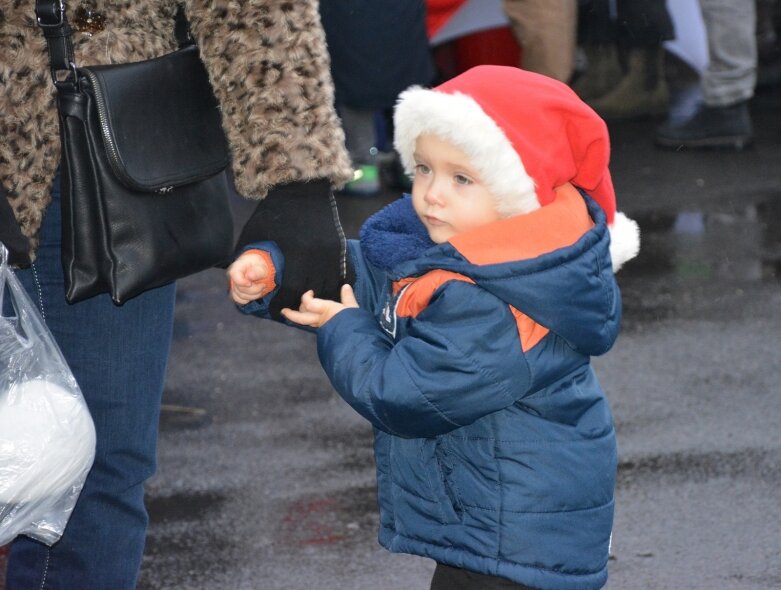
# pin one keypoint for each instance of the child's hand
(315, 312)
(249, 278)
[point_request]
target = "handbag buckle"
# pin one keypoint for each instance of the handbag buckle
(60, 16)
(66, 79)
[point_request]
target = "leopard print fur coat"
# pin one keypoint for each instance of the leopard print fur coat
(267, 60)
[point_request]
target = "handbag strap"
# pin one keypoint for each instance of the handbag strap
(51, 18)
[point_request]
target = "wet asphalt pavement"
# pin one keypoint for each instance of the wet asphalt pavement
(266, 478)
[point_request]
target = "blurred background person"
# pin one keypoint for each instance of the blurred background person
(723, 119)
(623, 43)
(546, 31)
(378, 48)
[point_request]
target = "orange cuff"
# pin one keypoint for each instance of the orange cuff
(269, 283)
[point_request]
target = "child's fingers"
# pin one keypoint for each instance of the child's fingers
(246, 295)
(307, 297)
(248, 269)
(348, 296)
(257, 270)
(301, 317)
(310, 303)
(236, 274)
(250, 289)
(316, 306)
(244, 273)
(243, 294)
(239, 299)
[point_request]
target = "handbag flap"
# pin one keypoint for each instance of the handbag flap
(160, 120)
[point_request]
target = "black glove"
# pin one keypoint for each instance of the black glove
(302, 218)
(11, 236)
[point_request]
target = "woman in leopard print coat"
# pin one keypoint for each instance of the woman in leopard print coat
(269, 67)
(267, 61)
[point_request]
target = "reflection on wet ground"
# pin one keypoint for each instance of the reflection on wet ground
(191, 505)
(680, 467)
(737, 246)
(698, 263)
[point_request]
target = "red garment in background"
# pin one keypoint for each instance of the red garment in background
(496, 46)
(438, 12)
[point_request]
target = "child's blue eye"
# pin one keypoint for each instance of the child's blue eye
(461, 179)
(422, 169)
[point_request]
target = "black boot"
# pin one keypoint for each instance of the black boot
(726, 127)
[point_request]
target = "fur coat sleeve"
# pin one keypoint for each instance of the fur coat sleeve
(269, 66)
(267, 60)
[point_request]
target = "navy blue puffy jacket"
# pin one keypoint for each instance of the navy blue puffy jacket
(494, 445)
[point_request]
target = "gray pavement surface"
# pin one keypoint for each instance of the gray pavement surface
(266, 478)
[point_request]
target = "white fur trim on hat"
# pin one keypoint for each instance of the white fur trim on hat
(624, 240)
(458, 119)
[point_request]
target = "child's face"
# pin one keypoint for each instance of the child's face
(447, 192)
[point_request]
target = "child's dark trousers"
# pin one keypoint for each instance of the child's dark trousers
(453, 578)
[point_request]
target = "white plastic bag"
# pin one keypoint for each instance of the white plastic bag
(47, 438)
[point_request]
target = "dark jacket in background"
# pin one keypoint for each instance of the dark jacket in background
(378, 48)
(637, 23)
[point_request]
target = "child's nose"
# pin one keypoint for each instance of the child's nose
(433, 193)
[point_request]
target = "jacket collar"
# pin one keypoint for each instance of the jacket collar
(395, 235)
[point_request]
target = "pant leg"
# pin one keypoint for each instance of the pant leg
(360, 138)
(118, 356)
(732, 50)
(546, 31)
(452, 578)
(644, 23)
(595, 23)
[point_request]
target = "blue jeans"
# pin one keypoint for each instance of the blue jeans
(118, 356)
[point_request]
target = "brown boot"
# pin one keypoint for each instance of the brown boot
(602, 71)
(642, 92)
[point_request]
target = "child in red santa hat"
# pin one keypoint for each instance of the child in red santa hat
(466, 342)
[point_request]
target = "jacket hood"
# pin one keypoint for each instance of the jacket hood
(552, 264)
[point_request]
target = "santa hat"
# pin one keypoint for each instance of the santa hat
(526, 134)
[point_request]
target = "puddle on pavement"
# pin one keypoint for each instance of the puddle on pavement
(701, 262)
(349, 449)
(182, 417)
(693, 466)
(183, 544)
(182, 507)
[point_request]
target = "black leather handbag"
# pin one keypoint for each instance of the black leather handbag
(144, 172)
